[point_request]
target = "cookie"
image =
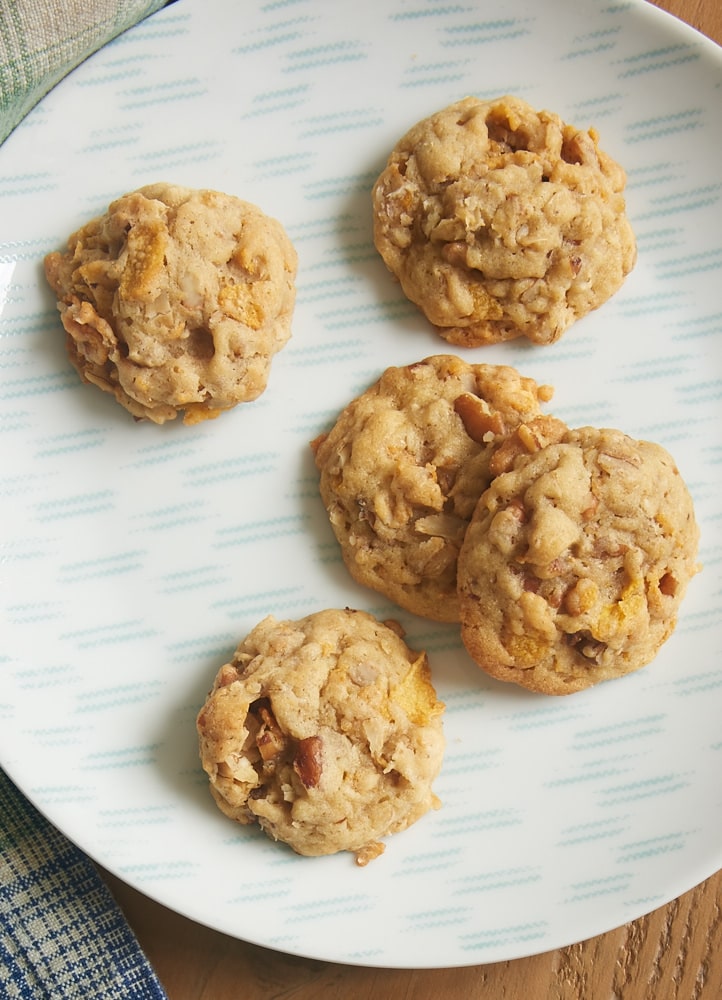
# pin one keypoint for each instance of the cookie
(326, 731)
(404, 465)
(576, 561)
(175, 300)
(500, 222)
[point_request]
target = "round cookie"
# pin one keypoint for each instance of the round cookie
(576, 561)
(175, 300)
(326, 731)
(405, 463)
(500, 221)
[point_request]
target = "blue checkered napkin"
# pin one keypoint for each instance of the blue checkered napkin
(62, 935)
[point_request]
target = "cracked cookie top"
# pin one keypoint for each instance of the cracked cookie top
(576, 561)
(175, 300)
(326, 731)
(500, 221)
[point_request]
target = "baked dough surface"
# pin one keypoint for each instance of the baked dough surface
(175, 300)
(500, 221)
(326, 731)
(576, 561)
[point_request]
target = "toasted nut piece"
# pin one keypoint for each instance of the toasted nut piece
(527, 439)
(308, 762)
(227, 675)
(586, 645)
(455, 253)
(478, 420)
(269, 739)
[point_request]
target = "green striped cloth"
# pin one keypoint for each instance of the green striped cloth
(42, 40)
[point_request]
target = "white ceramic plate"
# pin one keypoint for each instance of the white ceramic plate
(134, 557)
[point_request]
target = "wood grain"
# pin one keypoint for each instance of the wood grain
(674, 953)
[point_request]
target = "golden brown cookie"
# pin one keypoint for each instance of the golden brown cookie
(175, 300)
(405, 463)
(576, 561)
(500, 221)
(326, 731)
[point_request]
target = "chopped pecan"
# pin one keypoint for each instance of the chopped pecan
(554, 594)
(269, 739)
(226, 675)
(526, 439)
(455, 253)
(586, 645)
(308, 762)
(668, 585)
(479, 421)
(446, 477)
(540, 432)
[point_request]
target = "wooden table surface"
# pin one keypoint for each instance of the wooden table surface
(674, 953)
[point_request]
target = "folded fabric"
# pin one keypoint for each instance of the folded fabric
(42, 40)
(62, 934)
